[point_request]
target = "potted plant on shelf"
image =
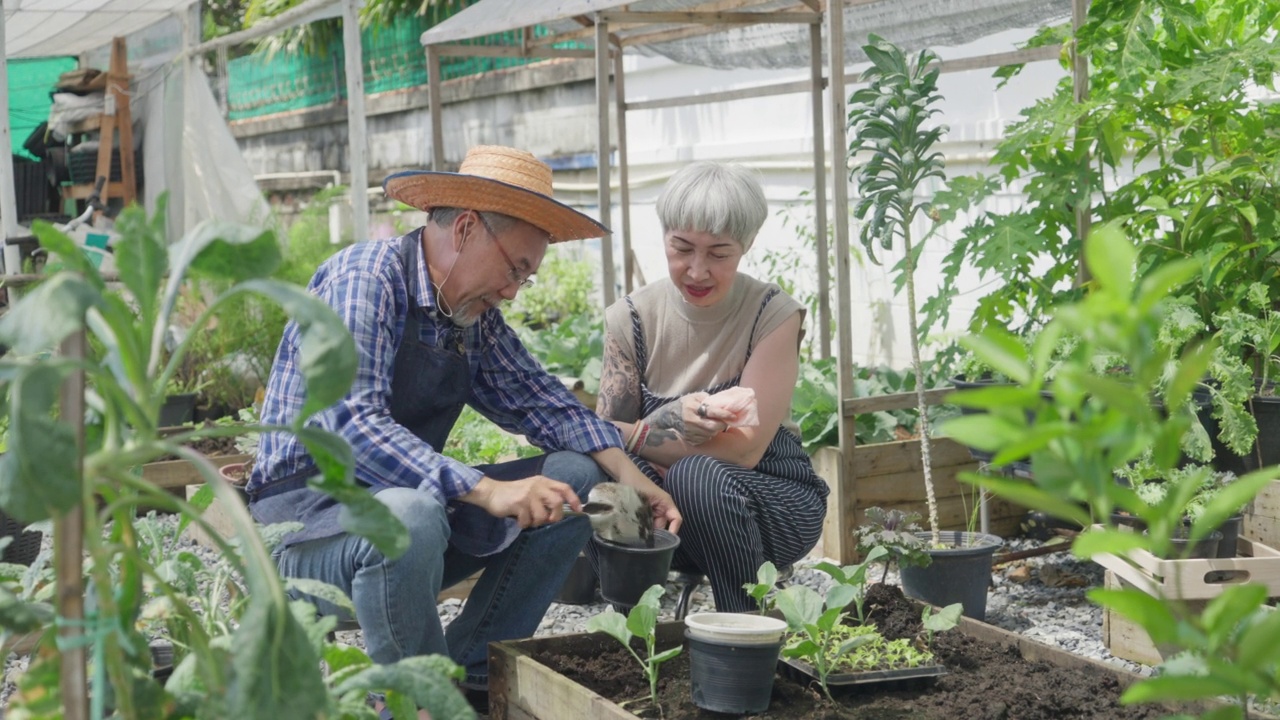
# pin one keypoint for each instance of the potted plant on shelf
(892, 150)
(269, 663)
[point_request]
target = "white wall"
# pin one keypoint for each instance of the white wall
(774, 135)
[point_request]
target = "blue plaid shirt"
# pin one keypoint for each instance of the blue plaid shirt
(366, 285)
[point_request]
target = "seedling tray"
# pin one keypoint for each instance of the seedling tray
(801, 671)
(1199, 579)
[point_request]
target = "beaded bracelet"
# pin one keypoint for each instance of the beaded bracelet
(640, 436)
(630, 443)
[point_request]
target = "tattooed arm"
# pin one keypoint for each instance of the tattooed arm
(619, 397)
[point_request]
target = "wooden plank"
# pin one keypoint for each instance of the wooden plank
(118, 86)
(909, 486)
(895, 401)
(603, 148)
(1127, 639)
(180, 473)
(784, 88)
(904, 456)
(510, 51)
(82, 192)
(837, 527)
(711, 18)
(953, 513)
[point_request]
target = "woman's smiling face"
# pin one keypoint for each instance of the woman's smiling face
(702, 265)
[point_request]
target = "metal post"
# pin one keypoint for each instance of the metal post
(1080, 93)
(437, 112)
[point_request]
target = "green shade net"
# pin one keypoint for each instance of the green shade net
(30, 82)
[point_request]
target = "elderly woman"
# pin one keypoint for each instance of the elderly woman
(748, 493)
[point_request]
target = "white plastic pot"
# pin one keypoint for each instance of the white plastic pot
(735, 628)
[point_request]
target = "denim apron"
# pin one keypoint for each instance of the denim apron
(429, 385)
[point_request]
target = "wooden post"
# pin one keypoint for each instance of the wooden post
(823, 331)
(117, 116)
(68, 552)
(437, 112)
(624, 192)
(840, 198)
(1080, 93)
(602, 154)
(357, 131)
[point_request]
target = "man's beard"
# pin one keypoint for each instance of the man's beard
(469, 313)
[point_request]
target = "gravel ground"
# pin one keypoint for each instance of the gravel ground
(1042, 598)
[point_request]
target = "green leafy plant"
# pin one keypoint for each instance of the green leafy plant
(477, 441)
(641, 623)
(892, 150)
(939, 620)
(813, 622)
(893, 531)
(860, 648)
(766, 580)
(263, 657)
(563, 290)
(572, 347)
(1095, 424)
(855, 577)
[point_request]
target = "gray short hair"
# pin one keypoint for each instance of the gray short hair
(716, 198)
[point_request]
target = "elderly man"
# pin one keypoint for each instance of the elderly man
(423, 309)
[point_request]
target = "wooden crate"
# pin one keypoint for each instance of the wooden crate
(1125, 638)
(888, 475)
(1199, 579)
(1262, 516)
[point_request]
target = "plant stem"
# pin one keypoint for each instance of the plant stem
(926, 460)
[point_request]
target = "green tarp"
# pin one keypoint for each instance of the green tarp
(30, 82)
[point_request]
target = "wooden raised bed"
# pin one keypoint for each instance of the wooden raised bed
(521, 688)
(181, 473)
(888, 475)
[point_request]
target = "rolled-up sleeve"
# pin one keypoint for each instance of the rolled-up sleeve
(514, 391)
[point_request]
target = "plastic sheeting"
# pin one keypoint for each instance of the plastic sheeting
(912, 24)
(43, 28)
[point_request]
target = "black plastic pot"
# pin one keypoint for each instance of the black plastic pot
(732, 678)
(1205, 548)
(178, 409)
(959, 573)
(580, 587)
(1266, 413)
(626, 571)
(1230, 530)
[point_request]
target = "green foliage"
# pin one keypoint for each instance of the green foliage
(891, 148)
(476, 441)
(860, 648)
(259, 657)
(940, 620)
(563, 290)
(855, 577)
(641, 622)
(572, 347)
(766, 579)
(892, 531)
(1174, 141)
(1095, 424)
(815, 407)
(325, 36)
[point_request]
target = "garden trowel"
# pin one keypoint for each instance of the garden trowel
(618, 514)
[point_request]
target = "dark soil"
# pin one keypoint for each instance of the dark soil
(210, 446)
(986, 681)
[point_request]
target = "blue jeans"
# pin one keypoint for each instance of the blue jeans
(395, 600)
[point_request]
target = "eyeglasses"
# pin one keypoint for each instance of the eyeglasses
(515, 275)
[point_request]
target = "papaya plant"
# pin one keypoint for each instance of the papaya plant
(891, 147)
(266, 660)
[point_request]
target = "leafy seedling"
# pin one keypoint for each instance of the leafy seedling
(766, 578)
(816, 623)
(640, 622)
(851, 581)
(941, 621)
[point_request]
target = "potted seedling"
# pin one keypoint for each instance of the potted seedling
(892, 150)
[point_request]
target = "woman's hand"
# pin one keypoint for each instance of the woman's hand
(691, 418)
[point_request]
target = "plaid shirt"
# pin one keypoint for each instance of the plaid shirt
(366, 285)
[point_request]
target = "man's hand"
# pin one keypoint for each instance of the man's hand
(532, 502)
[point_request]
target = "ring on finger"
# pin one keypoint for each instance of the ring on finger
(702, 410)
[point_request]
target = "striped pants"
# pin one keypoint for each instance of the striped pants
(735, 519)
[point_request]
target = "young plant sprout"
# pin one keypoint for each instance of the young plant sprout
(894, 531)
(766, 578)
(853, 577)
(640, 622)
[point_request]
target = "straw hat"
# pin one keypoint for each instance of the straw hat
(496, 179)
